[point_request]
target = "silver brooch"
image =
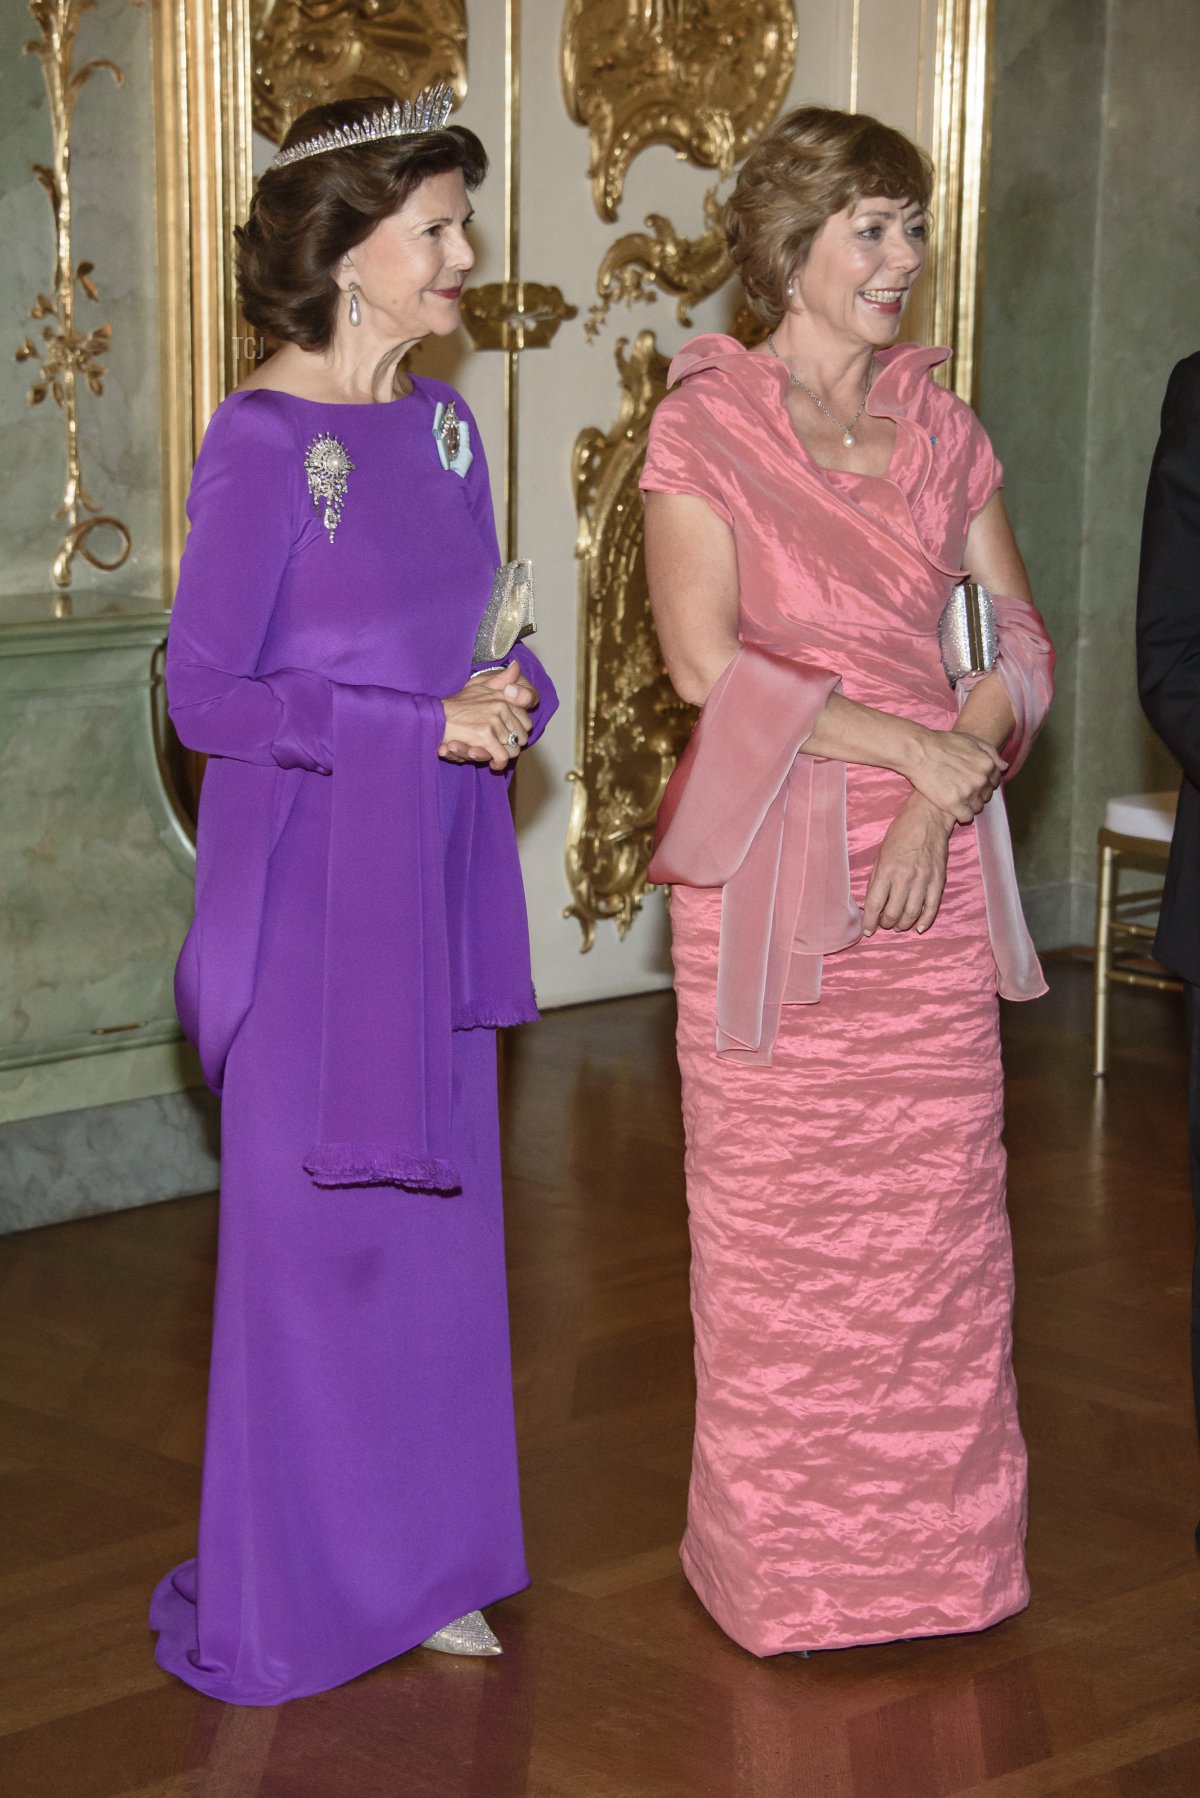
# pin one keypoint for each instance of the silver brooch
(453, 437)
(327, 464)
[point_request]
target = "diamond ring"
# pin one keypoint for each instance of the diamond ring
(514, 741)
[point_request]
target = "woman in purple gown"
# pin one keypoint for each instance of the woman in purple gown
(360, 933)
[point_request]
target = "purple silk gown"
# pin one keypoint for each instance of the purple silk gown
(359, 933)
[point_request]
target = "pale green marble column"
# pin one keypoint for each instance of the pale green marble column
(1146, 317)
(95, 899)
(1093, 250)
(99, 1099)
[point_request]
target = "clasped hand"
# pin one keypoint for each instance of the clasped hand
(954, 775)
(484, 717)
(909, 876)
(955, 771)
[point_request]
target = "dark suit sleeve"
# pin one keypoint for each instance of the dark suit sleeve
(1168, 609)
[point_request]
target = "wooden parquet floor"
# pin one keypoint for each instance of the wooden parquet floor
(614, 1683)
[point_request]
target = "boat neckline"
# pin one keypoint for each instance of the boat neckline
(336, 405)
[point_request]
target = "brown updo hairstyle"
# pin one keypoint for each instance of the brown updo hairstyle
(305, 217)
(813, 164)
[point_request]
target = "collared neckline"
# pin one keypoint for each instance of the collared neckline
(903, 369)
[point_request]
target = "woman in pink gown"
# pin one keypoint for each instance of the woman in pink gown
(844, 914)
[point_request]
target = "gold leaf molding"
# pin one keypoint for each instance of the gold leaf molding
(308, 52)
(514, 315)
(693, 268)
(631, 726)
(698, 75)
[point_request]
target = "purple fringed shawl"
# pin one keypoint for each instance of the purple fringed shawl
(292, 658)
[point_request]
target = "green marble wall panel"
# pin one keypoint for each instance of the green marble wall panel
(114, 227)
(107, 1158)
(96, 879)
(1146, 317)
(1089, 298)
(113, 1074)
(1042, 199)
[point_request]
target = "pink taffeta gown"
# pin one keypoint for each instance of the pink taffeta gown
(858, 1471)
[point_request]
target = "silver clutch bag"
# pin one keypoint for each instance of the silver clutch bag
(967, 632)
(509, 615)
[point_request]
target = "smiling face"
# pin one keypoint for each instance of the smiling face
(410, 270)
(860, 270)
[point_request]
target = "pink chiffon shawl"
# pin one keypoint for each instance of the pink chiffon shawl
(835, 595)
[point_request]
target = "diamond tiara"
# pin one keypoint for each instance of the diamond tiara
(407, 118)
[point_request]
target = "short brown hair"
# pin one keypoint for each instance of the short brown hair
(306, 216)
(813, 164)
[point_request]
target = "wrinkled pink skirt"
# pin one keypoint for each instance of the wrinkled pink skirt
(858, 1472)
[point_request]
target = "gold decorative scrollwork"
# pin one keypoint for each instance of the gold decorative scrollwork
(690, 267)
(69, 355)
(307, 52)
(701, 76)
(631, 725)
(514, 315)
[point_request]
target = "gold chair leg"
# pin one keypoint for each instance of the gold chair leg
(1106, 877)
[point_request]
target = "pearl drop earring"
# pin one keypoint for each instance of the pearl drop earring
(355, 312)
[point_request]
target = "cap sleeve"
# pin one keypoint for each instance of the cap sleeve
(985, 475)
(676, 460)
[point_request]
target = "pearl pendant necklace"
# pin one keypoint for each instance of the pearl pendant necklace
(847, 430)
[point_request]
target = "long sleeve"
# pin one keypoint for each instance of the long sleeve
(245, 520)
(1168, 604)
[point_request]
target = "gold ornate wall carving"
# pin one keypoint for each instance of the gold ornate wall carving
(514, 315)
(307, 52)
(634, 73)
(705, 80)
(630, 724)
(690, 267)
(701, 77)
(69, 355)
